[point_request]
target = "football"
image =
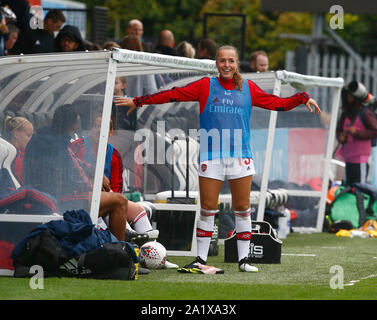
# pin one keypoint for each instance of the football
(153, 255)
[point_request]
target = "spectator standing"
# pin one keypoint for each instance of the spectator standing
(166, 43)
(69, 39)
(3, 33)
(21, 9)
(206, 49)
(131, 42)
(185, 49)
(109, 45)
(42, 40)
(259, 61)
(135, 84)
(11, 38)
(356, 128)
(139, 84)
(135, 27)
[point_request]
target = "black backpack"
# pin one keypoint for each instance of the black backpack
(110, 261)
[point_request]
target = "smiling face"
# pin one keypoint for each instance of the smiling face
(227, 63)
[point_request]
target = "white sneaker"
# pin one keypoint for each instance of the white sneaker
(169, 265)
(152, 234)
(243, 266)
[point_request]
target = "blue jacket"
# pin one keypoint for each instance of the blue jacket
(76, 234)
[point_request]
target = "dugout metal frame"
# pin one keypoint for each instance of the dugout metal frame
(67, 66)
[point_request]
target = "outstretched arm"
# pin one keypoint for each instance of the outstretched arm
(311, 102)
(194, 91)
(125, 102)
(272, 102)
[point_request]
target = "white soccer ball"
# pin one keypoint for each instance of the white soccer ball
(153, 255)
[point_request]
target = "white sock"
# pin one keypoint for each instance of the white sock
(243, 232)
(204, 231)
(141, 223)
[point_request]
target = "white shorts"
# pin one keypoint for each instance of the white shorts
(231, 168)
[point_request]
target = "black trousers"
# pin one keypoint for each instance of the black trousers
(356, 172)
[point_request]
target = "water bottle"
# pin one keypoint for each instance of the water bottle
(284, 224)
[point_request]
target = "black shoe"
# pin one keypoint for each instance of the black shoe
(194, 264)
(194, 267)
(138, 238)
(142, 270)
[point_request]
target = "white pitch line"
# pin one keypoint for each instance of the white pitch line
(299, 254)
(370, 276)
(352, 282)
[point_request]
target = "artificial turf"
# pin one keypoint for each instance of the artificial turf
(304, 274)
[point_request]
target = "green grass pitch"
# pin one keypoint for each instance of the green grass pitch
(304, 274)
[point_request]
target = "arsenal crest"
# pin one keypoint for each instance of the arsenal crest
(204, 167)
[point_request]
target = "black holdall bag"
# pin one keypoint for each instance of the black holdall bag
(109, 261)
(265, 247)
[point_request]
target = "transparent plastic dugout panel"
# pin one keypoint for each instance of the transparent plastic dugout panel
(299, 148)
(153, 162)
(153, 144)
(61, 95)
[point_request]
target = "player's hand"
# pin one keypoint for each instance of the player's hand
(352, 130)
(105, 184)
(125, 102)
(311, 102)
(343, 137)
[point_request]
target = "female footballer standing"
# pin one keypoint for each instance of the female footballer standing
(225, 111)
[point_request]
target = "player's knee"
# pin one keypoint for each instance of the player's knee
(208, 205)
(244, 207)
(120, 200)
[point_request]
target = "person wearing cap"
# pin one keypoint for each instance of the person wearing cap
(356, 128)
(69, 39)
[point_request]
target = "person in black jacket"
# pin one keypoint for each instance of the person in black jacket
(166, 43)
(50, 166)
(69, 39)
(42, 40)
(21, 9)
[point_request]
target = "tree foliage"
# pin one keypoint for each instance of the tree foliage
(263, 30)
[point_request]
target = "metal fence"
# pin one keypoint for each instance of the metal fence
(332, 65)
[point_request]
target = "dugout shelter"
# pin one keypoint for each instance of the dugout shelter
(292, 147)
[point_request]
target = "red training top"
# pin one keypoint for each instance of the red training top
(199, 91)
(116, 171)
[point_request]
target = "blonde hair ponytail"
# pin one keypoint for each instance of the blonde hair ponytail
(237, 78)
(12, 124)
